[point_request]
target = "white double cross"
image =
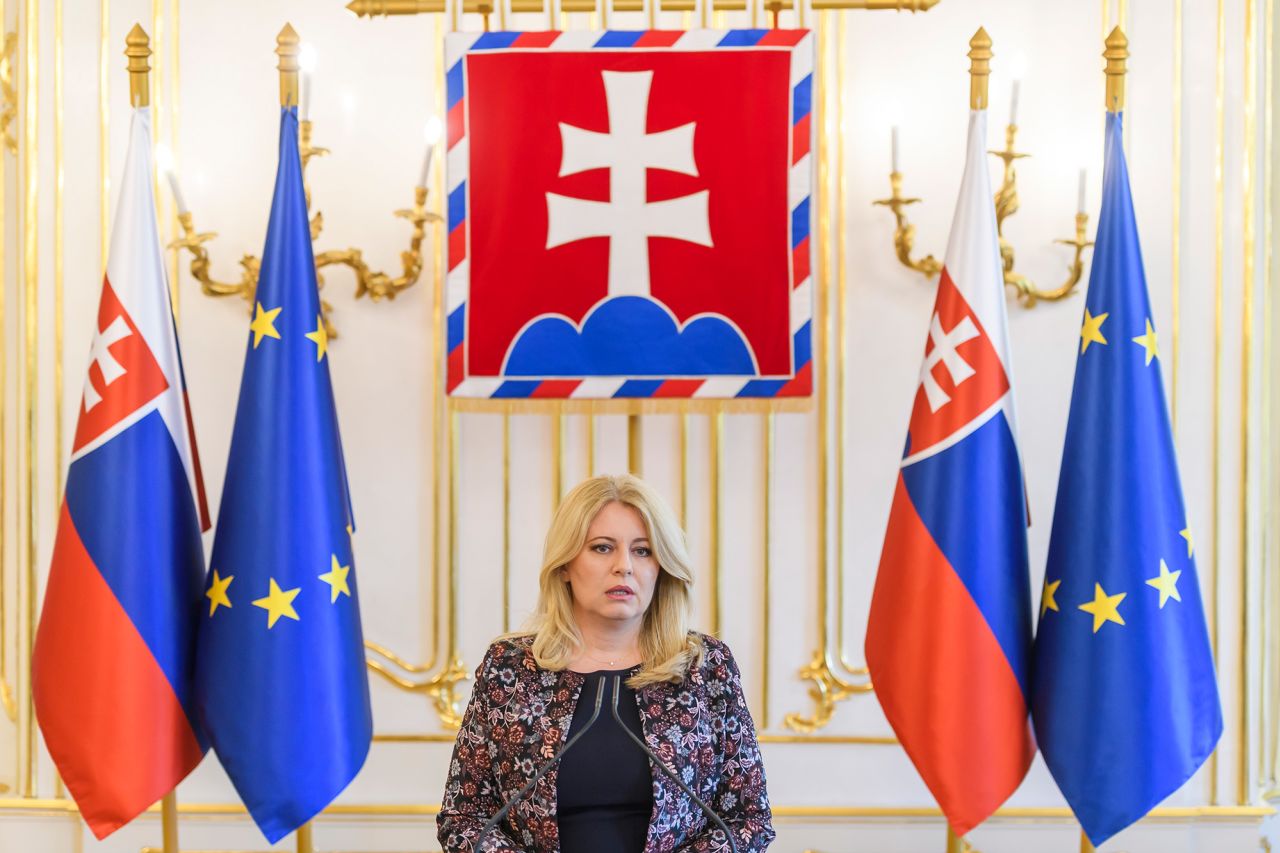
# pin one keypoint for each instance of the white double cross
(628, 219)
(101, 355)
(944, 351)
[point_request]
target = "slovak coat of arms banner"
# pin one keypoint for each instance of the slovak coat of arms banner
(629, 216)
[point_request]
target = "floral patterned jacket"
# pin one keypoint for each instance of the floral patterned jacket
(519, 715)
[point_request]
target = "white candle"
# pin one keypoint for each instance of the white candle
(177, 192)
(431, 133)
(1080, 204)
(164, 160)
(307, 64)
(894, 137)
(1013, 103)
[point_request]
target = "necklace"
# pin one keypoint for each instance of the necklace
(608, 663)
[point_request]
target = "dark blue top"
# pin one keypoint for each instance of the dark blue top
(605, 784)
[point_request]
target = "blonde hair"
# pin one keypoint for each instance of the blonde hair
(667, 646)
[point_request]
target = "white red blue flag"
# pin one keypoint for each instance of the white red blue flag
(949, 634)
(114, 655)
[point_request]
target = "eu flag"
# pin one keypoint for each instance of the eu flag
(281, 682)
(1124, 699)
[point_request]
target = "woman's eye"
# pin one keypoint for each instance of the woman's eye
(643, 552)
(601, 548)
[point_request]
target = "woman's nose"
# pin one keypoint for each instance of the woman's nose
(622, 564)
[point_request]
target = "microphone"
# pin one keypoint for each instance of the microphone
(670, 774)
(551, 762)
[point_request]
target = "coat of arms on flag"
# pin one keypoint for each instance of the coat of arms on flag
(629, 215)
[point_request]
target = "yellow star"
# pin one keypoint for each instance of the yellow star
(264, 325)
(320, 337)
(1167, 583)
(1105, 608)
(278, 603)
(1148, 341)
(1091, 331)
(1047, 601)
(336, 578)
(217, 592)
(1185, 533)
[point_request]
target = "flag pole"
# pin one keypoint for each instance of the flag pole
(1116, 53)
(138, 52)
(288, 46)
(169, 822)
(304, 839)
(979, 75)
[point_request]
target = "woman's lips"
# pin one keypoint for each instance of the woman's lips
(619, 592)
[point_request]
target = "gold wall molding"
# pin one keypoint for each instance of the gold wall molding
(1270, 685)
(383, 8)
(30, 256)
(1220, 94)
(762, 737)
(828, 687)
(1164, 814)
(8, 111)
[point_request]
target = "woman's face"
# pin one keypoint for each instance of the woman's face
(615, 573)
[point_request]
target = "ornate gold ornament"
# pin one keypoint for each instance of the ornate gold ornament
(441, 688)
(1006, 204)
(828, 689)
(376, 284)
(8, 92)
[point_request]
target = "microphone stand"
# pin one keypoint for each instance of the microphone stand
(523, 792)
(670, 774)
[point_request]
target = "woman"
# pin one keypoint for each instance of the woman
(613, 600)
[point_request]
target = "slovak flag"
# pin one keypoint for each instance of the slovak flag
(115, 650)
(949, 633)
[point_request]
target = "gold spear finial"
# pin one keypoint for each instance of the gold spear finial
(287, 47)
(138, 49)
(1116, 54)
(901, 5)
(370, 8)
(979, 69)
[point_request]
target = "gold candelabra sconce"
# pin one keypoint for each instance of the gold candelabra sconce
(375, 284)
(1006, 204)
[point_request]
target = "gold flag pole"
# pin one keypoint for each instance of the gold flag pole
(1116, 53)
(979, 69)
(288, 45)
(287, 48)
(979, 75)
(169, 822)
(304, 839)
(138, 51)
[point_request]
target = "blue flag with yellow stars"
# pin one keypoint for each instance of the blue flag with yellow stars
(281, 681)
(1124, 697)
